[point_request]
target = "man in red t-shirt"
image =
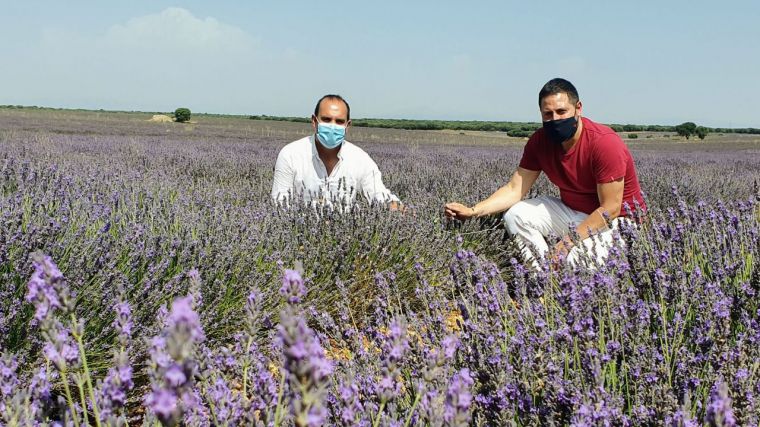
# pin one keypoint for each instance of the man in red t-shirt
(587, 161)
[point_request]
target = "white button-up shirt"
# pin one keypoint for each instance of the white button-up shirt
(300, 173)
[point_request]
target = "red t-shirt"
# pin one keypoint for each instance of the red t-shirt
(599, 157)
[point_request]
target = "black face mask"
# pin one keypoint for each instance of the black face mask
(559, 131)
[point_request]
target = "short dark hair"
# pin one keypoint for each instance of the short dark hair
(333, 97)
(558, 85)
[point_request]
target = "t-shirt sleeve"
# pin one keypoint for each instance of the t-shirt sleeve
(530, 156)
(282, 182)
(372, 184)
(609, 156)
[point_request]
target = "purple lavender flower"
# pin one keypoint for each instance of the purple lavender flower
(227, 405)
(253, 300)
(259, 383)
(8, 379)
(182, 316)
(61, 351)
(449, 346)
(394, 347)
(292, 288)
(350, 404)
(174, 366)
(680, 419)
(41, 386)
(175, 376)
(113, 389)
(671, 311)
(305, 365)
(43, 289)
(196, 413)
(458, 399)
(720, 413)
(123, 321)
(163, 403)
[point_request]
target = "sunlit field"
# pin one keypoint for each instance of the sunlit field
(145, 276)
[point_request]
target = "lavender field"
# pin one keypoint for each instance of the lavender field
(146, 279)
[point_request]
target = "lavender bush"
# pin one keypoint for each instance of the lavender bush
(147, 279)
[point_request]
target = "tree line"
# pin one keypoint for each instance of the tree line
(516, 129)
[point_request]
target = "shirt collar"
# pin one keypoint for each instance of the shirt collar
(315, 153)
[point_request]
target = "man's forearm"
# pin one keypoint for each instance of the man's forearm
(499, 201)
(596, 221)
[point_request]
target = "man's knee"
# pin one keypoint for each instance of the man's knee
(515, 217)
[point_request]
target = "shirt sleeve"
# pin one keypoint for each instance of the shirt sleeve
(530, 158)
(372, 184)
(609, 157)
(284, 176)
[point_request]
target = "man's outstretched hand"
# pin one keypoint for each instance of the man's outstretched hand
(401, 208)
(458, 211)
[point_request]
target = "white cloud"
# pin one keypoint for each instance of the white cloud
(153, 62)
(178, 29)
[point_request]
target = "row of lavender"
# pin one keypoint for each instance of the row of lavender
(408, 325)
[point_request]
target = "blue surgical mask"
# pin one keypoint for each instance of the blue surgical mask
(330, 135)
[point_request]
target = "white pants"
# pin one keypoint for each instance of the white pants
(532, 220)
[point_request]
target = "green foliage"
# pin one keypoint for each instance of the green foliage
(515, 129)
(280, 118)
(520, 133)
(702, 132)
(686, 129)
(633, 136)
(182, 115)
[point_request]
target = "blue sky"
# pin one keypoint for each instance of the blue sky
(645, 62)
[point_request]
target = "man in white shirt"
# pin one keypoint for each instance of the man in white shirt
(326, 168)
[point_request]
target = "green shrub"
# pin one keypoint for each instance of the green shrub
(182, 115)
(520, 133)
(686, 129)
(633, 136)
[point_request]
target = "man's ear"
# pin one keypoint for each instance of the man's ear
(348, 124)
(579, 107)
(314, 122)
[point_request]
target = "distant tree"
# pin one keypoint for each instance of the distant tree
(520, 133)
(633, 136)
(686, 129)
(702, 132)
(617, 128)
(182, 115)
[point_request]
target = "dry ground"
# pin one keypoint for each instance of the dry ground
(239, 127)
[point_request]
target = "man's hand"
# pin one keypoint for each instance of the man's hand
(400, 208)
(458, 211)
(560, 251)
(501, 200)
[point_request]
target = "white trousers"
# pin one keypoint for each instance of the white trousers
(532, 220)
